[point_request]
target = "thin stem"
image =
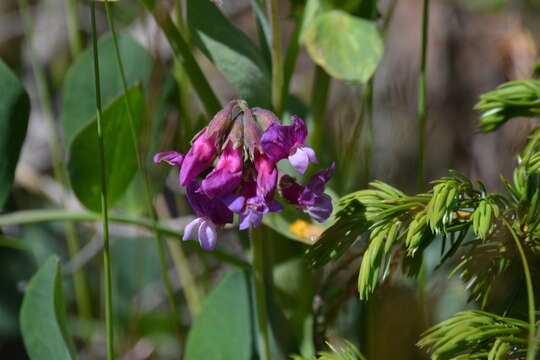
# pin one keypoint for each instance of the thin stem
(277, 66)
(319, 99)
(74, 37)
(257, 244)
(104, 208)
(531, 351)
(82, 297)
(290, 59)
(422, 99)
(37, 216)
(184, 55)
(367, 110)
(142, 169)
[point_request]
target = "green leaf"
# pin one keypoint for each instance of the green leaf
(224, 328)
(14, 112)
(79, 102)
(347, 47)
(350, 224)
(120, 159)
(43, 315)
(231, 51)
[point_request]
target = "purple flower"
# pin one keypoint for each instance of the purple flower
(210, 214)
(227, 174)
(170, 157)
(311, 198)
(250, 206)
(282, 141)
(199, 157)
(267, 175)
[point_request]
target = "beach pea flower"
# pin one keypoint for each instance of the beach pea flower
(231, 168)
(287, 141)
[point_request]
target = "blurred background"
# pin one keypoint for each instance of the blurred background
(473, 47)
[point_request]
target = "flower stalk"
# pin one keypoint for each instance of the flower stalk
(257, 246)
(104, 208)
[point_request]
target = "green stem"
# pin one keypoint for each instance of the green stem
(277, 66)
(184, 55)
(82, 297)
(257, 245)
(319, 99)
(74, 37)
(104, 208)
(367, 110)
(36, 216)
(144, 173)
(290, 59)
(422, 99)
(189, 285)
(532, 347)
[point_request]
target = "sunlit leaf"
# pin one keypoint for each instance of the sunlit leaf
(347, 47)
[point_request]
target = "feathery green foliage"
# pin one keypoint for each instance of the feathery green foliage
(511, 99)
(345, 352)
(476, 335)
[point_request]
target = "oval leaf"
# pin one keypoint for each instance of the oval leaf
(224, 328)
(120, 159)
(231, 51)
(14, 112)
(79, 102)
(347, 47)
(43, 315)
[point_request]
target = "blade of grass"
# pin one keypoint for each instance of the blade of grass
(531, 350)
(148, 192)
(422, 99)
(104, 209)
(184, 55)
(75, 44)
(82, 297)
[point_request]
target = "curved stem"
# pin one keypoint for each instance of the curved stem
(144, 173)
(422, 99)
(257, 245)
(104, 208)
(36, 216)
(531, 351)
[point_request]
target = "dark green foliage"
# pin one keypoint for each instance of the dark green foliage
(43, 316)
(345, 352)
(14, 112)
(120, 159)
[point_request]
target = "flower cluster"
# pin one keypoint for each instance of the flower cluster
(241, 147)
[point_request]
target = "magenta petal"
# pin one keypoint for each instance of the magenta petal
(319, 180)
(198, 158)
(220, 182)
(322, 209)
(173, 158)
(207, 236)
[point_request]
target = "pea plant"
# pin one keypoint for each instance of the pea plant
(183, 219)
